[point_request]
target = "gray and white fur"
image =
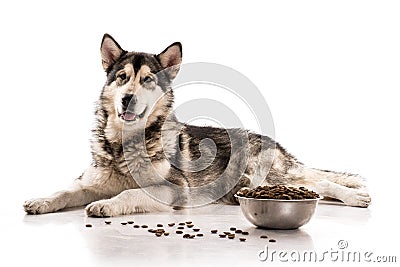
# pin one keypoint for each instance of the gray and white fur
(144, 160)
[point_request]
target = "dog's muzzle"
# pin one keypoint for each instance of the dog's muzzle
(129, 100)
(127, 113)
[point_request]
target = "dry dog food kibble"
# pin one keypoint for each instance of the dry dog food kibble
(278, 192)
(159, 232)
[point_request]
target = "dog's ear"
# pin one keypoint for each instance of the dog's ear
(110, 50)
(171, 59)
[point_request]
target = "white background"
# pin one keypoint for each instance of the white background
(329, 72)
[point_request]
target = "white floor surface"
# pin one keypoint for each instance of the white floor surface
(62, 239)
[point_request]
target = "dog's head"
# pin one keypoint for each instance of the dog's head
(138, 84)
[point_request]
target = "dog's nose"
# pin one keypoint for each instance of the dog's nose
(128, 98)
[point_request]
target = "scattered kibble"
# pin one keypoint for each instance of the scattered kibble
(161, 232)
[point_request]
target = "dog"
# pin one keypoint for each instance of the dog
(145, 160)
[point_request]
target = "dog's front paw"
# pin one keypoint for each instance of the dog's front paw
(102, 208)
(38, 206)
(357, 198)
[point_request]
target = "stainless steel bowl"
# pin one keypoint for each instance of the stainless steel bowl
(278, 213)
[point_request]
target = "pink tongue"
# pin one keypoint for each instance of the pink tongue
(129, 116)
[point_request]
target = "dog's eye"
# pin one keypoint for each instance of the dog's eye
(148, 79)
(122, 76)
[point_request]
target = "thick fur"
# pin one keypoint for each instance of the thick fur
(144, 160)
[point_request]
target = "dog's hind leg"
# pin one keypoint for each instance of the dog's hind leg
(346, 179)
(349, 188)
(349, 196)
